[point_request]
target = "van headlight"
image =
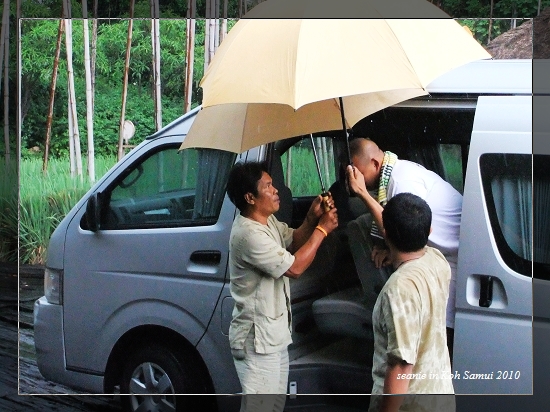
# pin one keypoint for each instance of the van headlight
(53, 283)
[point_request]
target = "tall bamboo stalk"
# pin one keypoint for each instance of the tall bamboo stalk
(18, 82)
(52, 96)
(211, 33)
(6, 41)
(93, 47)
(125, 82)
(190, 54)
(3, 35)
(490, 22)
(72, 154)
(207, 36)
(289, 167)
(155, 39)
(224, 22)
(73, 119)
(325, 160)
(89, 95)
(216, 25)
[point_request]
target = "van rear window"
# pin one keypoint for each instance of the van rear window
(515, 202)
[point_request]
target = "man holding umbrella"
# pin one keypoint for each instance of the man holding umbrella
(263, 254)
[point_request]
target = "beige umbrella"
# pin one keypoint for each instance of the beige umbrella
(276, 78)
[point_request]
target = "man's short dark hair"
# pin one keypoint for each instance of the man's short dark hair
(407, 219)
(243, 179)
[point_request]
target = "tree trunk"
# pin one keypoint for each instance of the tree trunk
(52, 96)
(210, 36)
(3, 36)
(490, 22)
(93, 46)
(190, 54)
(73, 119)
(18, 117)
(289, 167)
(155, 38)
(72, 155)
(125, 82)
(5, 53)
(224, 21)
(89, 95)
(207, 36)
(326, 163)
(216, 25)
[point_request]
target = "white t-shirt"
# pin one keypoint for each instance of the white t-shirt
(446, 205)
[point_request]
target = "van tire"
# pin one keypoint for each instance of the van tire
(154, 374)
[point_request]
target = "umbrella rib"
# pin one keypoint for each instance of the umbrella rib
(298, 42)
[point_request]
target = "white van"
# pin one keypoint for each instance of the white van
(136, 287)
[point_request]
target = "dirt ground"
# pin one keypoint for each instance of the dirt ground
(22, 387)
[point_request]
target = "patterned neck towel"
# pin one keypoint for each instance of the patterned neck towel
(385, 174)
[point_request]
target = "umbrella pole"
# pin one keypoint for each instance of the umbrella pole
(324, 193)
(351, 193)
(345, 129)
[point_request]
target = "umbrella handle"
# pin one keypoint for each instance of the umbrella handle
(324, 203)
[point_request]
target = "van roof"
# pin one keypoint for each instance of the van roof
(486, 77)
(478, 77)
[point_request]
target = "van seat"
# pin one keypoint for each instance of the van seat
(344, 313)
(349, 312)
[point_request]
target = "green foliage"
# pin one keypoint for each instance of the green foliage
(45, 200)
(501, 9)
(8, 210)
(38, 48)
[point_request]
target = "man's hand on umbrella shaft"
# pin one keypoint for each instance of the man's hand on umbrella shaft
(317, 208)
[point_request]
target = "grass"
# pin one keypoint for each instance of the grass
(8, 211)
(45, 199)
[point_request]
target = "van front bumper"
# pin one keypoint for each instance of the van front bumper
(50, 350)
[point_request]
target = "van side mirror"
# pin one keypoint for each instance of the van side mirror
(93, 208)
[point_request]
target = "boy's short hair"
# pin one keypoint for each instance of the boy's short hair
(407, 219)
(243, 179)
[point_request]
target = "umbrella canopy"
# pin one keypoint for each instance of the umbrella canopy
(276, 78)
(237, 127)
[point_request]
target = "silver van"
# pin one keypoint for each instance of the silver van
(136, 287)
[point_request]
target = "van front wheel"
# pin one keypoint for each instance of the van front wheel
(151, 378)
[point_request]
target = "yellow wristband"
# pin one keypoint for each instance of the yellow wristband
(322, 230)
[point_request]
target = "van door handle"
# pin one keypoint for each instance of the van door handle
(485, 291)
(206, 256)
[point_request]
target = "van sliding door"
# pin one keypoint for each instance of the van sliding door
(493, 328)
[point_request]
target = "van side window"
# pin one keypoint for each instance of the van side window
(168, 188)
(508, 190)
(300, 170)
(541, 218)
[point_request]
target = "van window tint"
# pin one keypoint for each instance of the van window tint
(541, 218)
(168, 189)
(507, 186)
(300, 170)
(451, 157)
